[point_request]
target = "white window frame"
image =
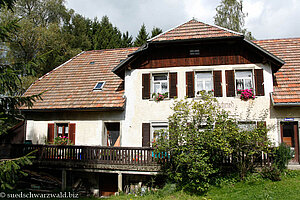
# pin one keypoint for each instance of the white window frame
(56, 128)
(154, 127)
(153, 82)
(196, 81)
(244, 78)
(245, 123)
(103, 83)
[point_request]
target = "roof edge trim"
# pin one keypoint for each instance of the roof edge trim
(265, 51)
(75, 109)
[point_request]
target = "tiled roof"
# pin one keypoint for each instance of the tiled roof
(194, 29)
(70, 86)
(288, 76)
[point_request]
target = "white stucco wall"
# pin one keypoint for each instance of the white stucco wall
(140, 111)
(89, 125)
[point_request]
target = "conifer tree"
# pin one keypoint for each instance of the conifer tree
(107, 36)
(126, 40)
(142, 37)
(156, 31)
(10, 100)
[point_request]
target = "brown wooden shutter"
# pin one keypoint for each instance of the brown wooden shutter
(51, 133)
(218, 84)
(146, 134)
(146, 86)
(173, 84)
(190, 89)
(230, 88)
(259, 82)
(296, 143)
(72, 133)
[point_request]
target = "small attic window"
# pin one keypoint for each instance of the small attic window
(92, 62)
(99, 85)
(194, 52)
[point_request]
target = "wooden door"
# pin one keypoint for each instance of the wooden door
(289, 135)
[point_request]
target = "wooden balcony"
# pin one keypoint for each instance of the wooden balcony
(92, 157)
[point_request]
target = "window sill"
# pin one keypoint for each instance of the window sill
(166, 99)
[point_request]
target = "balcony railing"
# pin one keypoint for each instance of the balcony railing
(91, 154)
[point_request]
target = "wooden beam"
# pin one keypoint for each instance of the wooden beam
(120, 184)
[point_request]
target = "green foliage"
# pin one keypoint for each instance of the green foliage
(200, 136)
(142, 37)
(155, 31)
(10, 170)
(282, 156)
(271, 172)
(10, 101)
(47, 31)
(62, 141)
(230, 15)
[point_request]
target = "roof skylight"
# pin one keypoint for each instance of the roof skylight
(99, 85)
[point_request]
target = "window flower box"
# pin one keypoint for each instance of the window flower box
(159, 97)
(246, 94)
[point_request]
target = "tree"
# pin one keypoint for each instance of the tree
(230, 15)
(39, 35)
(200, 136)
(10, 100)
(142, 37)
(155, 31)
(107, 36)
(126, 40)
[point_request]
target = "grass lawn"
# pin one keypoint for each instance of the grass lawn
(288, 188)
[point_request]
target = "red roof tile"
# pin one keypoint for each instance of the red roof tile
(194, 29)
(70, 86)
(288, 76)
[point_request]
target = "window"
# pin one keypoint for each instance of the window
(204, 81)
(160, 83)
(156, 127)
(62, 130)
(247, 125)
(243, 80)
(194, 52)
(99, 85)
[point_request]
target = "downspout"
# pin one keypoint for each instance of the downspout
(272, 99)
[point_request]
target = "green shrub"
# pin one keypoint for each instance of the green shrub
(200, 136)
(282, 156)
(271, 172)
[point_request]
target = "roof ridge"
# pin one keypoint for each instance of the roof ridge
(201, 27)
(223, 28)
(153, 38)
(291, 38)
(100, 50)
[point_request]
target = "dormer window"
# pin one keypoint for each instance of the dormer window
(99, 85)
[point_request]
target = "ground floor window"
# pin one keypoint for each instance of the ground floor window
(247, 125)
(156, 127)
(64, 130)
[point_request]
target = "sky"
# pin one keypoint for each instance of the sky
(267, 19)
